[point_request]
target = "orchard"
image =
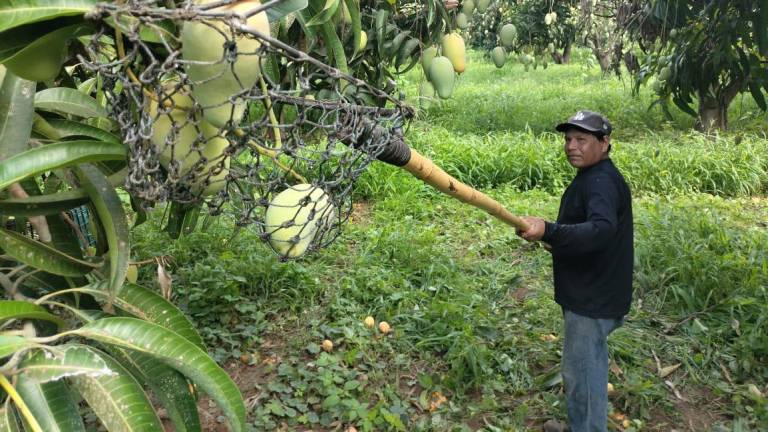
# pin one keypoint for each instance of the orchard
(303, 215)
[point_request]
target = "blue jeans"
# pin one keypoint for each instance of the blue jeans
(585, 370)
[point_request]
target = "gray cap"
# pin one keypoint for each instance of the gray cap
(589, 121)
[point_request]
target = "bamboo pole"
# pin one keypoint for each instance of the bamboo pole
(426, 170)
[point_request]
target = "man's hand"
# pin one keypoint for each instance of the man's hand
(535, 229)
(451, 4)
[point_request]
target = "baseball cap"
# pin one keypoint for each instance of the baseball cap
(589, 121)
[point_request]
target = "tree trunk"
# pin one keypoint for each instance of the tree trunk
(565, 58)
(712, 117)
(631, 62)
(713, 111)
(603, 59)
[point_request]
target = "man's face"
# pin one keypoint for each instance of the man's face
(584, 149)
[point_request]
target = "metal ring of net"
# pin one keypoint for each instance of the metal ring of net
(214, 109)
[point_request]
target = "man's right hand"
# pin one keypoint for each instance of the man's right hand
(535, 229)
(451, 4)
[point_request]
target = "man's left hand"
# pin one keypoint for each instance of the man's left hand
(535, 229)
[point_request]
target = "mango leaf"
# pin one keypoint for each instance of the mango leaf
(67, 361)
(51, 404)
(757, 94)
(16, 110)
(284, 8)
(115, 396)
(149, 306)
(41, 159)
(167, 384)
(41, 256)
(12, 344)
(15, 309)
(52, 204)
(87, 86)
(175, 351)
(760, 24)
(67, 100)
(43, 204)
(353, 6)
(41, 60)
(114, 221)
(322, 11)
(14, 13)
(68, 128)
(8, 421)
(334, 46)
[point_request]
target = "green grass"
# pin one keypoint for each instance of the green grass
(471, 304)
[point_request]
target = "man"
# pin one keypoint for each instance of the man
(592, 257)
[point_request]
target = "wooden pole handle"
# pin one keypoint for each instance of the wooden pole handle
(426, 170)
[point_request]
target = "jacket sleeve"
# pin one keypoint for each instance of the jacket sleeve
(601, 198)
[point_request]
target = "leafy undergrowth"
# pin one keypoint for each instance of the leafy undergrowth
(476, 336)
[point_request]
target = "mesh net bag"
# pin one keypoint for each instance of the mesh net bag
(214, 110)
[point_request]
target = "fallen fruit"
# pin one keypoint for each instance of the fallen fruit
(369, 322)
(384, 327)
(327, 345)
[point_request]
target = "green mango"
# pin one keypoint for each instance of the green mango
(499, 56)
(442, 75)
(508, 34)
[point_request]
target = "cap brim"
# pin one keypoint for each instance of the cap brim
(562, 127)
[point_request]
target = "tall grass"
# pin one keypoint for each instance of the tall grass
(694, 261)
(691, 163)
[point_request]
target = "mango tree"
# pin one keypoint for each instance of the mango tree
(703, 54)
(602, 28)
(545, 28)
(76, 328)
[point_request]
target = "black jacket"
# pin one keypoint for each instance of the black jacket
(592, 250)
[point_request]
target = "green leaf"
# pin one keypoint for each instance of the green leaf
(51, 404)
(12, 344)
(149, 306)
(41, 256)
(67, 361)
(114, 221)
(12, 41)
(757, 94)
(323, 11)
(175, 351)
(8, 421)
(334, 45)
(284, 8)
(760, 24)
(115, 396)
(16, 309)
(353, 6)
(16, 110)
(14, 13)
(42, 59)
(67, 100)
(46, 158)
(331, 401)
(167, 384)
(52, 204)
(67, 128)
